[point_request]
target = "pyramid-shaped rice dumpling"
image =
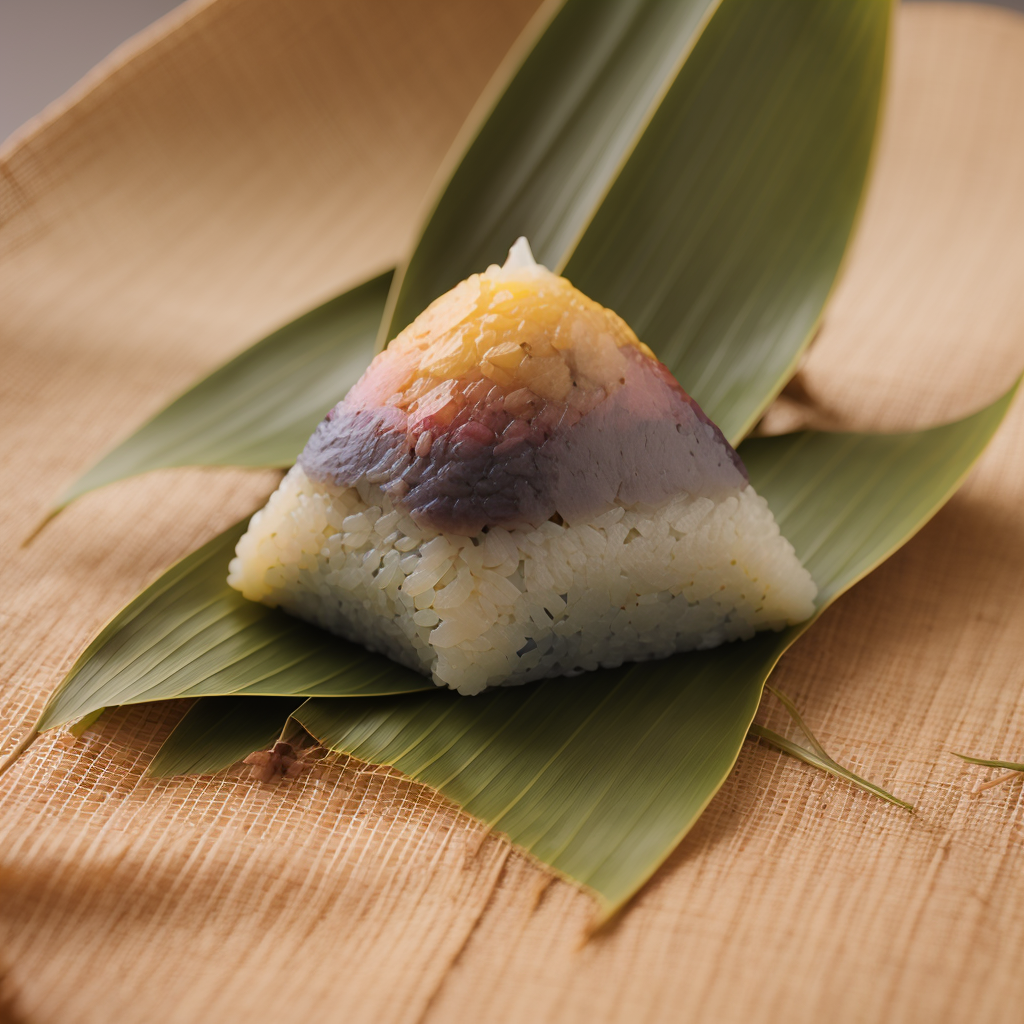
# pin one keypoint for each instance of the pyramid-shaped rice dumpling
(517, 488)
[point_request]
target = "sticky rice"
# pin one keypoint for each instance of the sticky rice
(518, 489)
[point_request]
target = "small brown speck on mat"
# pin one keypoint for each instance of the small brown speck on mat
(9, 1012)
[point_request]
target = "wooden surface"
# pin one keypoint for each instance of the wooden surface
(245, 164)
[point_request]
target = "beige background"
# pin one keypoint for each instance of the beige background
(252, 158)
(47, 45)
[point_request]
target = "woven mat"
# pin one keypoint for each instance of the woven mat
(244, 160)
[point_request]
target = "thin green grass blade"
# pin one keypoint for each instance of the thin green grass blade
(826, 764)
(216, 732)
(1013, 766)
(602, 775)
(817, 756)
(190, 635)
(260, 408)
(554, 141)
(722, 231)
(791, 710)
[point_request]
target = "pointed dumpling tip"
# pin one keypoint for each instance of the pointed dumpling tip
(520, 256)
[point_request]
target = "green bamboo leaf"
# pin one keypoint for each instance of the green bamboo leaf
(218, 731)
(1013, 766)
(190, 635)
(601, 776)
(722, 237)
(756, 158)
(260, 408)
(722, 231)
(554, 141)
(593, 77)
(513, 176)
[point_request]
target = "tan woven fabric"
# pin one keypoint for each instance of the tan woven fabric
(250, 158)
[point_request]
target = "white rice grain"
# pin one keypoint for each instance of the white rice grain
(512, 606)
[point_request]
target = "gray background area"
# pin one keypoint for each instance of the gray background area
(47, 45)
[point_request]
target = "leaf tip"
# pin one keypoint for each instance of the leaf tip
(20, 749)
(605, 915)
(38, 528)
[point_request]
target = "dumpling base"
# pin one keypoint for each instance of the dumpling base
(507, 607)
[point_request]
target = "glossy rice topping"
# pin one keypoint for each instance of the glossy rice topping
(513, 399)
